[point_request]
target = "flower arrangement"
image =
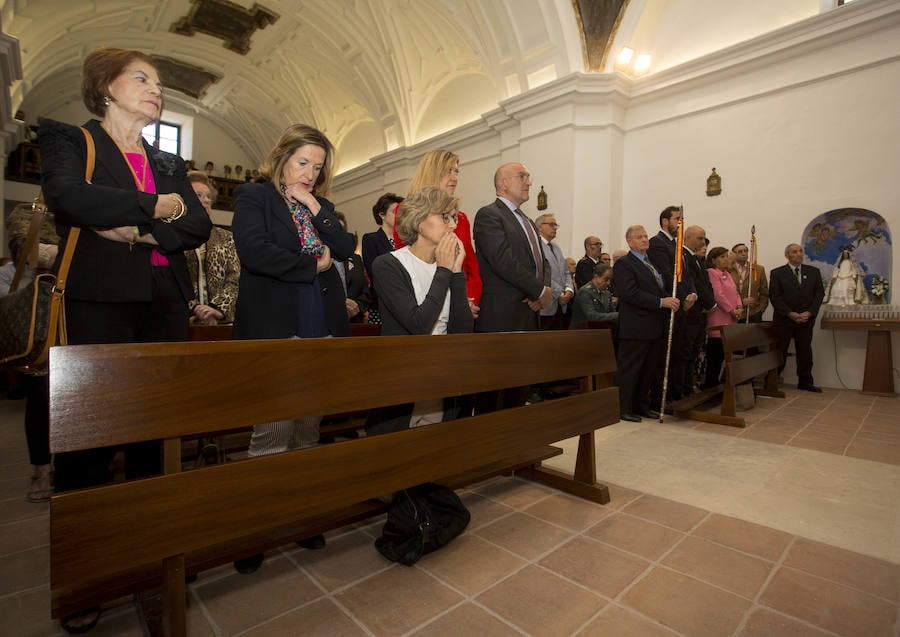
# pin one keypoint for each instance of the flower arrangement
(880, 286)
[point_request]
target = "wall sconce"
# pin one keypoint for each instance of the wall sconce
(542, 200)
(713, 184)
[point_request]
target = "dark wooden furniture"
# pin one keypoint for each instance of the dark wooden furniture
(878, 375)
(123, 538)
(740, 366)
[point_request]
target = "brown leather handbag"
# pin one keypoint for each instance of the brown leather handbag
(33, 319)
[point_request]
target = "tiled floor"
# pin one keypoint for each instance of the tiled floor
(533, 561)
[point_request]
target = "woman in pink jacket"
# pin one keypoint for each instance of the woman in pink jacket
(727, 311)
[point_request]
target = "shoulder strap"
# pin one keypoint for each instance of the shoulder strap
(74, 231)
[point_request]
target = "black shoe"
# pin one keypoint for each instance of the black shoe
(534, 397)
(249, 564)
(650, 413)
(812, 388)
(313, 543)
(629, 417)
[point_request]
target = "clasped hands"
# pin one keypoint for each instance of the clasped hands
(166, 205)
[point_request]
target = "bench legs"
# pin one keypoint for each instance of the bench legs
(584, 481)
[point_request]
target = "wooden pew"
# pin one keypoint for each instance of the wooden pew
(739, 367)
(124, 538)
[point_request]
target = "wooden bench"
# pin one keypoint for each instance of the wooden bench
(739, 367)
(119, 539)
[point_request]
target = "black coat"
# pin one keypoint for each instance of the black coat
(273, 267)
(103, 270)
(639, 294)
(786, 295)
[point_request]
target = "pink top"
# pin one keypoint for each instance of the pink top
(727, 298)
(136, 160)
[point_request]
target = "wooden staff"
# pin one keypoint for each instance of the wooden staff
(676, 277)
(753, 274)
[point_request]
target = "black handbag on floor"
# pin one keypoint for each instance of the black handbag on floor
(421, 520)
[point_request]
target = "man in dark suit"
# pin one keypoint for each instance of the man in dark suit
(514, 272)
(694, 326)
(796, 292)
(662, 255)
(643, 307)
(584, 270)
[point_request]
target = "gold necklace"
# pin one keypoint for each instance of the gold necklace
(139, 181)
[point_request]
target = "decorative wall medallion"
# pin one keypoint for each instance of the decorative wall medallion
(225, 20)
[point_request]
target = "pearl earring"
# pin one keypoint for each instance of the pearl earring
(106, 100)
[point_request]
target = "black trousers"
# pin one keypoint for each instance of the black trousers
(715, 356)
(638, 362)
(801, 334)
(37, 418)
(164, 318)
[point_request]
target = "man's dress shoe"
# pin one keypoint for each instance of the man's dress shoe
(812, 388)
(629, 417)
(650, 413)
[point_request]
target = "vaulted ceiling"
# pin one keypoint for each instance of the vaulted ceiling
(384, 73)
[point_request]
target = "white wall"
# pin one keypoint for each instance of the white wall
(799, 124)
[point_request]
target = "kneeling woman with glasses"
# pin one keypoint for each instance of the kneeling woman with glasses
(422, 287)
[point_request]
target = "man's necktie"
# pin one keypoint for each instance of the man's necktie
(797, 276)
(656, 273)
(535, 250)
(339, 266)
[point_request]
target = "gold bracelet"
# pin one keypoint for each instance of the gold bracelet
(177, 212)
(135, 237)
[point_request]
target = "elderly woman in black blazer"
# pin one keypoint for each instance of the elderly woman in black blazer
(128, 281)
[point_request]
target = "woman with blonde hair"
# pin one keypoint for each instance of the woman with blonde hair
(440, 168)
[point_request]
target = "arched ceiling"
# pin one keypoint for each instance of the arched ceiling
(390, 68)
(375, 75)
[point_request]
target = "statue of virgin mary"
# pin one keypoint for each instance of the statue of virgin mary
(846, 286)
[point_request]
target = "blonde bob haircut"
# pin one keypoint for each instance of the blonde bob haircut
(293, 138)
(432, 168)
(430, 200)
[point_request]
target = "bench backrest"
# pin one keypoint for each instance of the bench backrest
(742, 337)
(112, 537)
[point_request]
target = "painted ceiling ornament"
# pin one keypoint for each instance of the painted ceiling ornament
(713, 184)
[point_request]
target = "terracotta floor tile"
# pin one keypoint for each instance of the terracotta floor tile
(721, 566)
(868, 574)
(885, 407)
(744, 536)
(13, 487)
(467, 620)
(570, 512)
(619, 497)
(18, 508)
(237, 602)
(766, 623)
(524, 535)
(666, 512)
(395, 601)
(123, 621)
(595, 565)
(635, 535)
(873, 451)
(615, 621)
(321, 618)
(197, 623)
(453, 564)
(483, 509)
(531, 600)
(24, 534)
(345, 560)
(685, 604)
(517, 494)
(767, 435)
(831, 606)
(27, 614)
(24, 569)
(817, 444)
(720, 429)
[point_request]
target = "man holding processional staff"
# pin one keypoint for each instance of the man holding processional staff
(750, 279)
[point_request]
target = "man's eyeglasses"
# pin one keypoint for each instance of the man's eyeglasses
(594, 245)
(552, 224)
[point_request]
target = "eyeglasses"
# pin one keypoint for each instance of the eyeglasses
(594, 245)
(552, 224)
(524, 176)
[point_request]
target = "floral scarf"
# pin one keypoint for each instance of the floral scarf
(309, 238)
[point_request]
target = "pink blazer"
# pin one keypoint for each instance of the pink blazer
(727, 298)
